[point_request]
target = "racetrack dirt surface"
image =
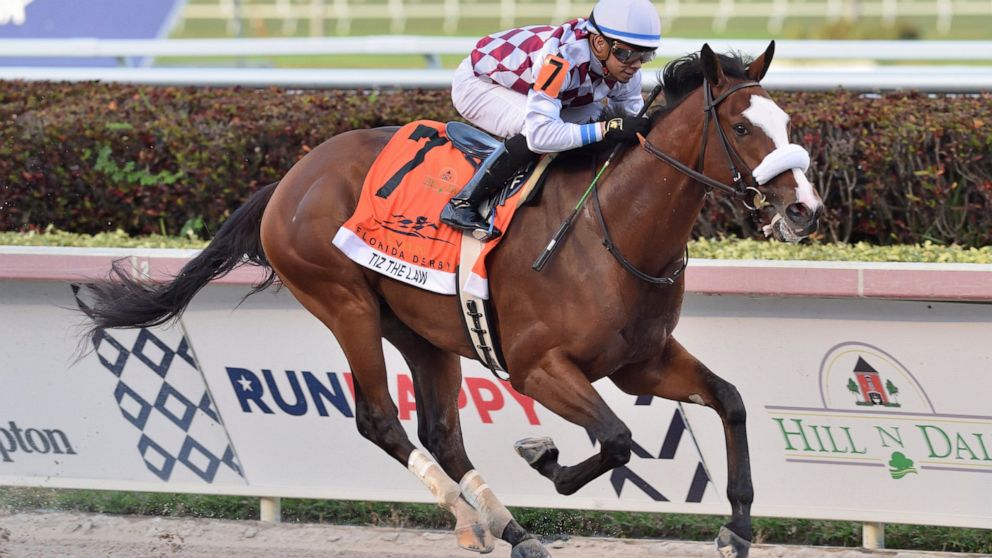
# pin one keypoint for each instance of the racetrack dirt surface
(78, 535)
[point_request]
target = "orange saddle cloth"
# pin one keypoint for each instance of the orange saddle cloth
(396, 228)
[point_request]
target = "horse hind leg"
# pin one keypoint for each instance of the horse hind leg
(353, 316)
(679, 376)
(436, 382)
(476, 508)
(479, 514)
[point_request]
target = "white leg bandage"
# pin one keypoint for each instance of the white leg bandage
(423, 466)
(470, 528)
(482, 498)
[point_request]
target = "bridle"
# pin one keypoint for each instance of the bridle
(743, 183)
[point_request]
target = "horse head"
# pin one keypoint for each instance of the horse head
(752, 148)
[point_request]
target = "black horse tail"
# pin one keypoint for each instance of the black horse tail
(122, 301)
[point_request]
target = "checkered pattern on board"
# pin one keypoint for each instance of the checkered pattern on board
(161, 392)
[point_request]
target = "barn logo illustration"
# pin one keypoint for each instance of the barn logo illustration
(869, 386)
(874, 413)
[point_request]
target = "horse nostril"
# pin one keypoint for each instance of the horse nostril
(798, 213)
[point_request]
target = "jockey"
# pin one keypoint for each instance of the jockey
(543, 88)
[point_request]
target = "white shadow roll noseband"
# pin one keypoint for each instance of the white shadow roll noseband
(784, 158)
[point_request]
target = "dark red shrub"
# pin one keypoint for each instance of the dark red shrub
(90, 157)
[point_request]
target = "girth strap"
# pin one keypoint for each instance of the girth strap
(476, 313)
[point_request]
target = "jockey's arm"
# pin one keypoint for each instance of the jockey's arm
(547, 133)
(585, 113)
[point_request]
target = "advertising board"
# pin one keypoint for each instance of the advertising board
(858, 409)
(75, 19)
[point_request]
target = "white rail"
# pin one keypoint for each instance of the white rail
(407, 44)
(860, 72)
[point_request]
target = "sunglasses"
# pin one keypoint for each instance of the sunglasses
(627, 55)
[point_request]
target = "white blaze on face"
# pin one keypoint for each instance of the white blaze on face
(773, 121)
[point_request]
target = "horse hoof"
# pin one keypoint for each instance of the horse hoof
(530, 548)
(730, 545)
(475, 537)
(535, 450)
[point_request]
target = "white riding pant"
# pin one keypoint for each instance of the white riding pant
(499, 110)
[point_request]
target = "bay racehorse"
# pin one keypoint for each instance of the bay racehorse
(590, 314)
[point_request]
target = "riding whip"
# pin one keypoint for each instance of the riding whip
(566, 225)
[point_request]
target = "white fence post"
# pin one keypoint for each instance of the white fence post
(452, 12)
(343, 14)
(317, 18)
(270, 510)
(873, 535)
(507, 13)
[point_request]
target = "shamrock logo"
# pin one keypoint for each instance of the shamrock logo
(900, 465)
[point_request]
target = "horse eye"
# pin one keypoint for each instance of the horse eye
(741, 130)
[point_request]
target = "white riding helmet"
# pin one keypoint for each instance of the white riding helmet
(634, 22)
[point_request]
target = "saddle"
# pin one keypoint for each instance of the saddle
(395, 232)
(471, 140)
(479, 145)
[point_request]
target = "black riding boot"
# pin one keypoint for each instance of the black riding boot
(462, 212)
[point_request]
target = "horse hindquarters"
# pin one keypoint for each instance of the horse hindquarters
(679, 376)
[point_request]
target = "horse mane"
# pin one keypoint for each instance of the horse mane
(679, 77)
(684, 75)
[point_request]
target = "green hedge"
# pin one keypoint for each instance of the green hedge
(728, 248)
(902, 168)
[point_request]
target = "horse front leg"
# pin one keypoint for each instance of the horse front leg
(561, 387)
(679, 376)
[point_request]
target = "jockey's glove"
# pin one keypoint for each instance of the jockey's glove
(625, 128)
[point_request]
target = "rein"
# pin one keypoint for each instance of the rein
(740, 189)
(737, 189)
(665, 278)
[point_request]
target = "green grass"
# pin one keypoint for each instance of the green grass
(925, 27)
(726, 249)
(550, 524)
(736, 249)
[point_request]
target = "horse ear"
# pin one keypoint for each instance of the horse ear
(712, 70)
(757, 70)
